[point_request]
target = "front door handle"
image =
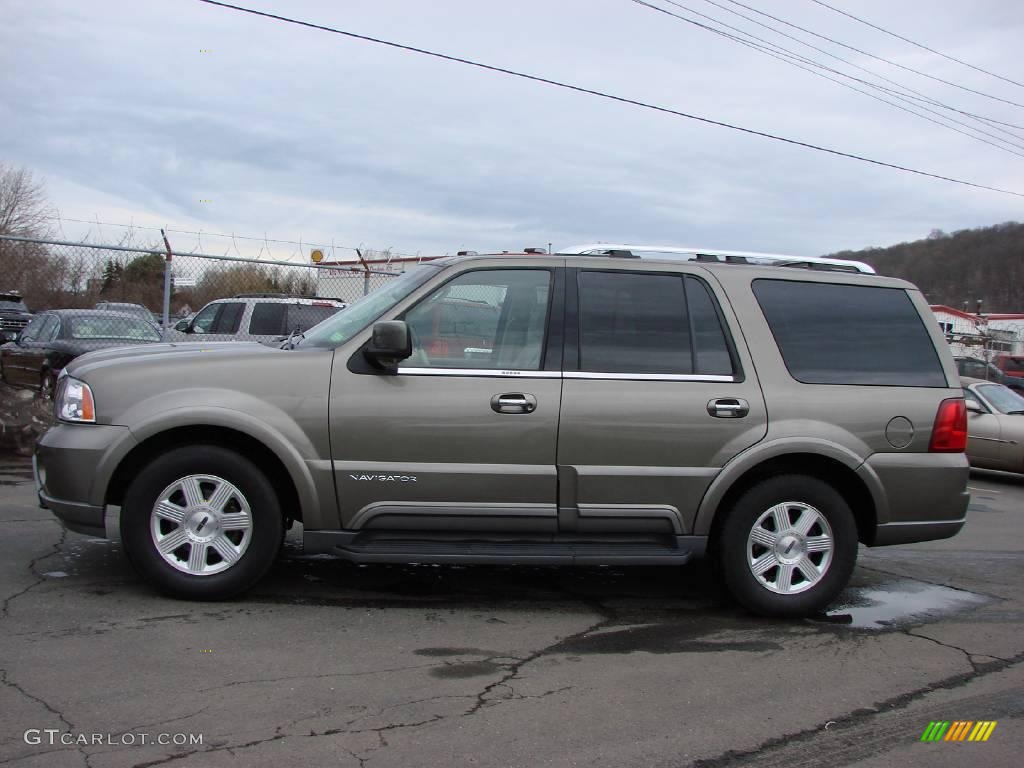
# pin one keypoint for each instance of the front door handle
(728, 407)
(514, 402)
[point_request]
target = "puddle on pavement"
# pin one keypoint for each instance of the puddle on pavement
(897, 603)
(659, 638)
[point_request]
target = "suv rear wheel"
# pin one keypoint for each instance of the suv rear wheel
(201, 523)
(788, 546)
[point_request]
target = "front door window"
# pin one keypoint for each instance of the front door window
(485, 319)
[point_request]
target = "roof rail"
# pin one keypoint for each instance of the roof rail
(269, 296)
(727, 257)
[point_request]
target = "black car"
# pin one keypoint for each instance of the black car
(14, 316)
(54, 338)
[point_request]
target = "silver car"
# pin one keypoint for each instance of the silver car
(995, 425)
(608, 406)
(266, 318)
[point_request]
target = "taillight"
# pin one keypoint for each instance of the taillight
(950, 432)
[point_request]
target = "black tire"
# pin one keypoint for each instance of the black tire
(735, 554)
(265, 530)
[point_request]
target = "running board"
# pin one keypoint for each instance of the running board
(366, 547)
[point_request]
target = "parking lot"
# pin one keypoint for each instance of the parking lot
(331, 664)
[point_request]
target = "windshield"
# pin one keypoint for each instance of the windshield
(12, 304)
(1002, 398)
(341, 327)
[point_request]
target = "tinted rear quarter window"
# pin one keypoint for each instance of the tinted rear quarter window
(849, 334)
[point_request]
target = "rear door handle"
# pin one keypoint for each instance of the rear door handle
(728, 408)
(514, 402)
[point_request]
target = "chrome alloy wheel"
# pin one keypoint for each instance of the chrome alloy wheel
(790, 548)
(201, 524)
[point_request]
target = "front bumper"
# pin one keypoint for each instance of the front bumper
(925, 494)
(71, 466)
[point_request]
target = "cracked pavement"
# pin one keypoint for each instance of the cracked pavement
(330, 664)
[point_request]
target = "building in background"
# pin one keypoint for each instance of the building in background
(981, 335)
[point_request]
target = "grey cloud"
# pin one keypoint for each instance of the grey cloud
(293, 132)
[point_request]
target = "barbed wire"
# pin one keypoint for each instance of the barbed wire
(264, 241)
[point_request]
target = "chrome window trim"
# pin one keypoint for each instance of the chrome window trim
(489, 372)
(509, 374)
(649, 376)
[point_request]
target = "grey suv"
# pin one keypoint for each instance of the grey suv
(264, 317)
(599, 408)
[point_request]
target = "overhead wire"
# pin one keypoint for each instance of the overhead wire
(918, 45)
(872, 55)
(907, 91)
(789, 57)
(608, 96)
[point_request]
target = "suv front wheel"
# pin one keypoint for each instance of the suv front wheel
(788, 546)
(201, 523)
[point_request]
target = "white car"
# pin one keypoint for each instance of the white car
(267, 318)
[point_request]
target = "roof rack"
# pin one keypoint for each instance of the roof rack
(269, 296)
(715, 256)
(286, 296)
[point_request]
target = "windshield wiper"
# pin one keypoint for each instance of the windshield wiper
(293, 340)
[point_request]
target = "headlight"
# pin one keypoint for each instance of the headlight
(73, 401)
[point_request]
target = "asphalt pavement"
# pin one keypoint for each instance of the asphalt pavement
(329, 664)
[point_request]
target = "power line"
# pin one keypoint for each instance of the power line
(611, 97)
(919, 45)
(871, 55)
(787, 56)
(907, 90)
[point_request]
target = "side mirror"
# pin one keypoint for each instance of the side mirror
(390, 344)
(182, 325)
(973, 407)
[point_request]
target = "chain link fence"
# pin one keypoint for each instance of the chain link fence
(61, 299)
(104, 294)
(993, 350)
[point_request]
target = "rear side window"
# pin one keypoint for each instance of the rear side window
(229, 317)
(267, 320)
(849, 334)
(643, 322)
(711, 351)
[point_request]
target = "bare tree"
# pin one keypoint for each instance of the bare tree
(24, 209)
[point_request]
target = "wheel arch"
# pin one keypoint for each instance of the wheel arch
(295, 499)
(833, 469)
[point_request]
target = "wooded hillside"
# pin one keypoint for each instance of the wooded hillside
(972, 264)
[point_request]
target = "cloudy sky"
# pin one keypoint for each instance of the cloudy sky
(138, 112)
